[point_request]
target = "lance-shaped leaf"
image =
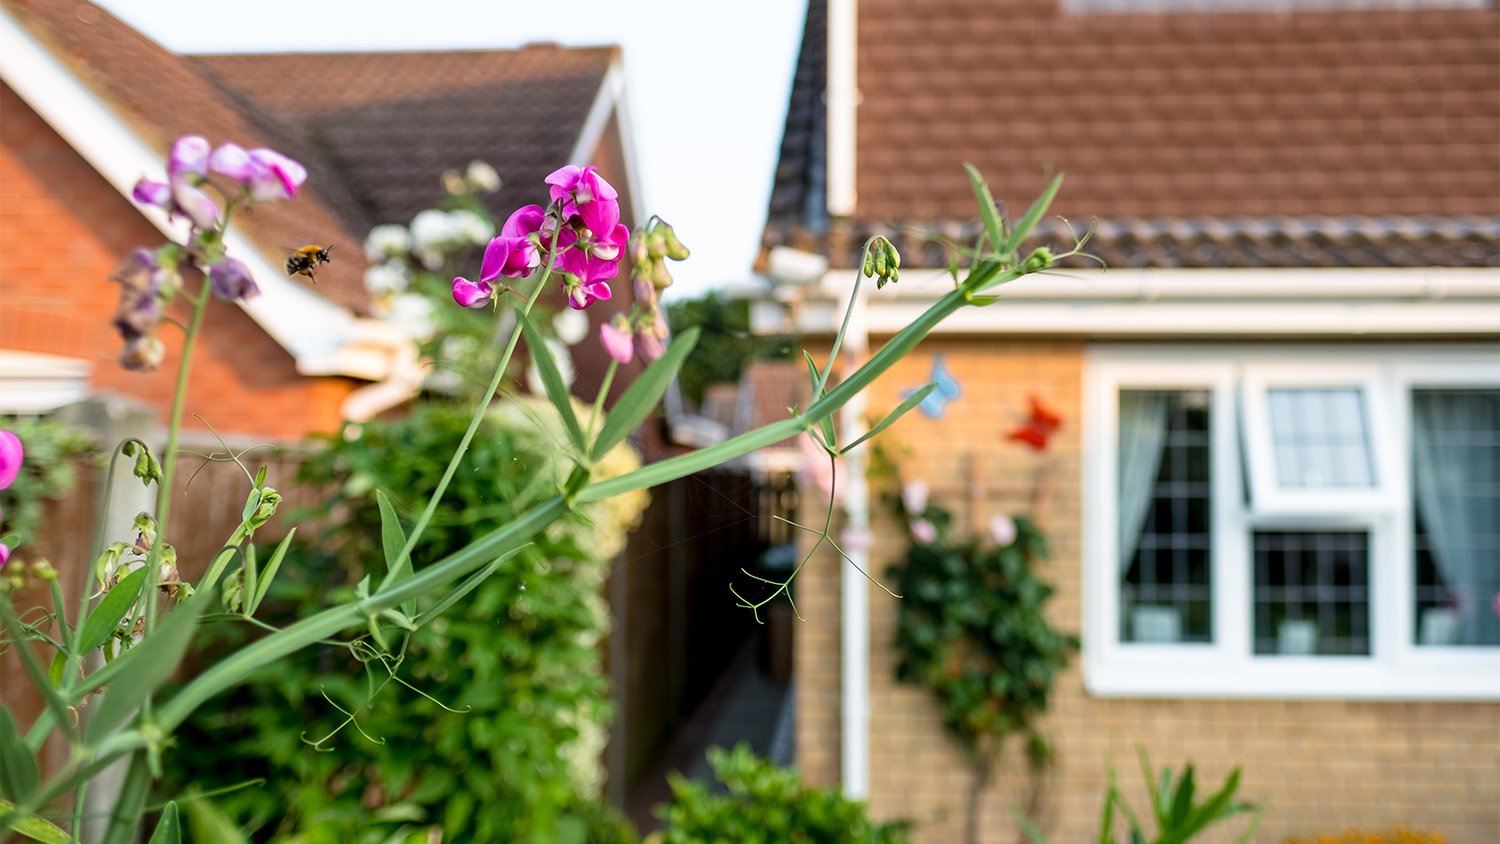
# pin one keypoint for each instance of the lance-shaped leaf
(392, 540)
(143, 668)
(111, 610)
(30, 826)
(269, 574)
(901, 410)
(169, 828)
(1027, 224)
(557, 391)
(994, 228)
(18, 771)
(826, 423)
(643, 396)
(468, 585)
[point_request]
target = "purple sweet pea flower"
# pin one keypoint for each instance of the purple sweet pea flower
(148, 192)
(12, 453)
(190, 201)
(232, 280)
(472, 294)
(189, 157)
(265, 173)
(615, 335)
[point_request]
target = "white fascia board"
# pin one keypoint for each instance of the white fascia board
(610, 101)
(314, 330)
(31, 382)
(1164, 303)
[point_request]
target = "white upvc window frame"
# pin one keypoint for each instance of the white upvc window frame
(1396, 668)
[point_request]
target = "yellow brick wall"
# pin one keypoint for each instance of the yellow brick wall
(1318, 766)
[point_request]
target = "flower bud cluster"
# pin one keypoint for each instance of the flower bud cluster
(645, 330)
(149, 279)
(882, 262)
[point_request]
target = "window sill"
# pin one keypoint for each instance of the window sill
(1198, 672)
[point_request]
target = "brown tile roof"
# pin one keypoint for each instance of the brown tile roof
(159, 94)
(1361, 138)
(375, 130)
(388, 124)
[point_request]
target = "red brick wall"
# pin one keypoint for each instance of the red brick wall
(63, 228)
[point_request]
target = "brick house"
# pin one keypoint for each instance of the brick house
(1273, 519)
(90, 105)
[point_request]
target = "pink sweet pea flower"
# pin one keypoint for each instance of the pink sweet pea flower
(576, 187)
(514, 253)
(472, 294)
(581, 295)
(189, 156)
(4, 554)
(12, 453)
(650, 346)
(923, 531)
(193, 203)
(615, 335)
(148, 192)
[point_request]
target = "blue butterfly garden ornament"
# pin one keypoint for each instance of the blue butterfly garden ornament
(947, 390)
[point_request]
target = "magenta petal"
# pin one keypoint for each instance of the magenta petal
(616, 342)
(12, 453)
(496, 254)
(599, 291)
(4, 554)
(598, 187)
(148, 192)
(524, 221)
(189, 155)
(600, 216)
(232, 161)
(471, 294)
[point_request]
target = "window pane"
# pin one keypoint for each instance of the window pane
(1456, 487)
(1312, 593)
(1320, 438)
(1165, 543)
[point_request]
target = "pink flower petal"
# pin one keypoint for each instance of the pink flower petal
(149, 192)
(923, 531)
(4, 554)
(189, 155)
(616, 341)
(496, 254)
(472, 294)
(12, 453)
(232, 161)
(194, 204)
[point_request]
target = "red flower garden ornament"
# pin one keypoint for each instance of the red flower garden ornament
(1038, 428)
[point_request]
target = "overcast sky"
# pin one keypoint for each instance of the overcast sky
(707, 83)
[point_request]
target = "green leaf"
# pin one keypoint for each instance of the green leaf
(901, 410)
(1028, 827)
(106, 617)
(208, 823)
(393, 540)
(30, 826)
(143, 668)
(168, 829)
(18, 771)
(39, 679)
(642, 397)
(557, 391)
(269, 573)
(1028, 223)
(464, 588)
(1182, 803)
(994, 229)
(1217, 807)
(826, 423)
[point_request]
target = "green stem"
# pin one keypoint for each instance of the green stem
(479, 413)
(609, 380)
(132, 799)
(169, 459)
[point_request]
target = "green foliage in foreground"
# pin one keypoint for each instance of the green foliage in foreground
(499, 735)
(766, 805)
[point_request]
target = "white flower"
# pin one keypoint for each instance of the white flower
(1003, 530)
(564, 362)
(413, 314)
(471, 227)
(914, 497)
(571, 326)
(459, 347)
(385, 279)
(432, 228)
(387, 241)
(483, 176)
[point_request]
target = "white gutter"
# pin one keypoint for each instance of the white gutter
(843, 102)
(323, 338)
(1162, 303)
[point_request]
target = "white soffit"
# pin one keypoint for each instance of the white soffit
(1345, 302)
(314, 330)
(31, 382)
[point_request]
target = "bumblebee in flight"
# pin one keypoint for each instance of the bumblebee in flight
(307, 259)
